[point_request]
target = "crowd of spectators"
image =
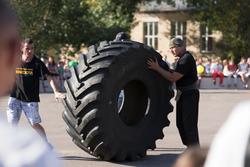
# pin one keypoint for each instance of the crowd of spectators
(217, 68)
(60, 67)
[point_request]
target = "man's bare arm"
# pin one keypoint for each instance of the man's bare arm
(58, 95)
(172, 77)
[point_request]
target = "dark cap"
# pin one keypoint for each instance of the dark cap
(176, 42)
(121, 36)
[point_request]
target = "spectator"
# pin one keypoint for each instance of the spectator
(208, 67)
(200, 70)
(243, 70)
(72, 63)
(248, 70)
(229, 147)
(9, 48)
(216, 71)
(18, 147)
(67, 73)
(52, 67)
(60, 70)
(192, 157)
(229, 70)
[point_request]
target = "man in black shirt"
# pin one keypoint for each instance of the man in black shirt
(185, 77)
(25, 95)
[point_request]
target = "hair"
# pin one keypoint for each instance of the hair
(121, 36)
(53, 60)
(7, 14)
(28, 41)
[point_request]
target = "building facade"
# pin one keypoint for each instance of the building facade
(155, 24)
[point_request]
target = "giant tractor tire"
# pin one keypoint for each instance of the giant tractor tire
(96, 121)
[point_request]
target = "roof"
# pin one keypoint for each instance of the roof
(153, 7)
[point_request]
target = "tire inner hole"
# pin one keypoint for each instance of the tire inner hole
(133, 103)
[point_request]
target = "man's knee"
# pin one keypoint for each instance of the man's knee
(36, 125)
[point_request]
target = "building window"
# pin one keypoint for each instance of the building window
(206, 39)
(178, 29)
(150, 34)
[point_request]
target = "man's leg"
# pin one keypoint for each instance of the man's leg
(14, 111)
(190, 116)
(179, 121)
(31, 112)
(40, 130)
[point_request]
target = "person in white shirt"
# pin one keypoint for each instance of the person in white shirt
(230, 146)
(18, 147)
(243, 70)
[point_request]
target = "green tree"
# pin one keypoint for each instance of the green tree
(230, 17)
(60, 22)
(52, 23)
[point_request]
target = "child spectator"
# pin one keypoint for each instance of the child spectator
(208, 67)
(243, 70)
(229, 71)
(216, 71)
(248, 70)
(200, 70)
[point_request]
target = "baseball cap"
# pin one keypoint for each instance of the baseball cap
(176, 42)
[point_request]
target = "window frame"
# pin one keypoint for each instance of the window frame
(180, 30)
(150, 34)
(207, 35)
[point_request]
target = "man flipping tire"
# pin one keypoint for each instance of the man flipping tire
(185, 77)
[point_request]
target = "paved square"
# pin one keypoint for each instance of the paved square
(215, 106)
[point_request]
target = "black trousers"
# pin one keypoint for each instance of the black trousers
(187, 117)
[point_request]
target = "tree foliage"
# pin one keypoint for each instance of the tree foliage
(232, 18)
(59, 22)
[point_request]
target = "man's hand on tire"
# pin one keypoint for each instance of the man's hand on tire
(153, 64)
(59, 96)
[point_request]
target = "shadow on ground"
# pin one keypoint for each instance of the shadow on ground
(164, 157)
(77, 158)
(161, 160)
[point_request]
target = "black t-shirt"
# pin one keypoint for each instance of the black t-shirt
(27, 80)
(187, 67)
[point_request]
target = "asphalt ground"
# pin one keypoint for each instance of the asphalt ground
(215, 106)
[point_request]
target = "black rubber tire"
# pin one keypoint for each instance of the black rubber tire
(91, 111)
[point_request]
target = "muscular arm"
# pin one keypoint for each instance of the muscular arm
(52, 83)
(172, 77)
(58, 95)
